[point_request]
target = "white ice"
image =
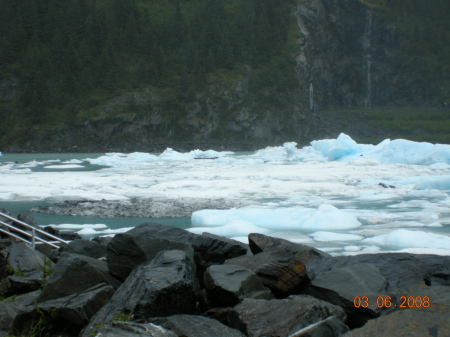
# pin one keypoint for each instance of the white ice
(325, 217)
(403, 238)
(332, 185)
(234, 228)
(78, 226)
(92, 232)
(63, 167)
(332, 236)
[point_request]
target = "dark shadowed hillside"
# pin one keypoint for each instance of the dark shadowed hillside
(129, 74)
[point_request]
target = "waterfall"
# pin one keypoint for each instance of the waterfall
(311, 97)
(368, 59)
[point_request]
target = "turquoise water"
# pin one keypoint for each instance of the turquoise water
(369, 212)
(18, 207)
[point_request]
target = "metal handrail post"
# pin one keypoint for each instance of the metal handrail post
(33, 239)
(14, 236)
(28, 234)
(31, 227)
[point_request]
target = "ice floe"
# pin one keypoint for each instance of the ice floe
(63, 167)
(403, 238)
(325, 217)
(337, 194)
(332, 236)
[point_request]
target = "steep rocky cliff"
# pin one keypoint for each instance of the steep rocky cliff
(346, 55)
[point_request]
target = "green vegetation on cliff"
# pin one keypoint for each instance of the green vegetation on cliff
(423, 29)
(70, 56)
(64, 62)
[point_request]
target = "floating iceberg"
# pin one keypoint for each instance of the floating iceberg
(344, 148)
(403, 238)
(233, 229)
(289, 218)
(332, 236)
(399, 151)
(428, 182)
(63, 167)
(121, 159)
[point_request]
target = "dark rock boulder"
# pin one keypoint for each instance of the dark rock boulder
(227, 285)
(85, 247)
(5, 246)
(76, 273)
(439, 277)
(70, 236)
(196, 326)
(53, 231)
(282, 274)
(208, 249)
(227, 240)
(165, 286)
(436, 295)
(404, 272)
(219, 313)
(281, 317)
(262, 243)
(340, 286)
(128, 329)
(66, 314)
(433, 322)
(28, 219)
(11, 306)
(330, 327)
(6, 220)
(128, 250)
(27, 267)
(102, 240)
(25, 260)
(52, 253)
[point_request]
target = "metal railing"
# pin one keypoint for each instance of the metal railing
(34, 240)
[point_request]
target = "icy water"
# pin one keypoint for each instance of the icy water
(339, 196)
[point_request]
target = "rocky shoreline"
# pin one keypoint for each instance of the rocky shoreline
(141, 208)
(157, 280)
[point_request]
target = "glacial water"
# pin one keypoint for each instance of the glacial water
(342, 197)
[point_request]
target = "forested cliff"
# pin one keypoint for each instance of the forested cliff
(136, 72)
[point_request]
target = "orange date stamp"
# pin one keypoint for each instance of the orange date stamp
(388, 302)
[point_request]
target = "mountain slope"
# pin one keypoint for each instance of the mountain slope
(105, 73)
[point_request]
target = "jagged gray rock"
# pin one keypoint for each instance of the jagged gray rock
(128, 250)
(340, 286)
(436, 295)
(282, 318)
(263, 243)
(424, 322)
(439, 277)
(66, 314)
(208, 250)
(27, 266)
(404, 272)
(165, 286)
(196, 326)
(282, 274)
(227, 285)
(11, 306)
(76, 273)
(89, 248)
